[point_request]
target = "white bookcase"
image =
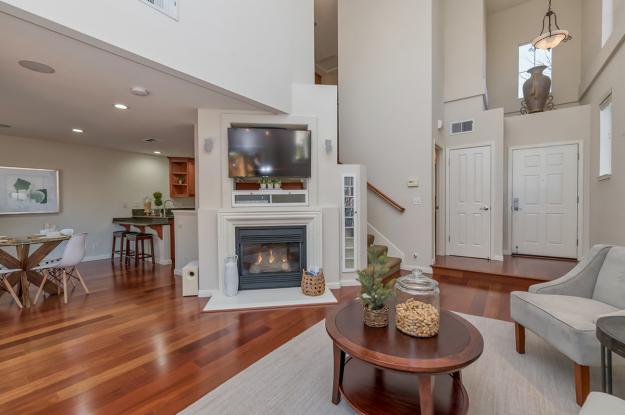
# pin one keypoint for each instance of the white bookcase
(353, 218)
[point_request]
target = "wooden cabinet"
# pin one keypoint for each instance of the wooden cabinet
(353, 218)
(181, 177)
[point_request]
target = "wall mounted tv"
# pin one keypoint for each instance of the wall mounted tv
(268, 152)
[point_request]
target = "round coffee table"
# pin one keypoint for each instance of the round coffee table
(391, 372)
(611, 335)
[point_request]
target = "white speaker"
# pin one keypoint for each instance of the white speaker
(190, 282)
(208, 145)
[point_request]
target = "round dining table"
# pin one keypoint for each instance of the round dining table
(26, 261)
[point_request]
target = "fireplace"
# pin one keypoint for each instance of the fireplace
(270, 257)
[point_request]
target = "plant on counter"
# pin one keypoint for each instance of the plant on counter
(374, 292)
(264, 181)
(277, 183)
(158, 199)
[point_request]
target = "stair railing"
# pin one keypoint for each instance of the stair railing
(383, 196)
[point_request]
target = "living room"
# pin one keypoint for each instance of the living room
(312, 207)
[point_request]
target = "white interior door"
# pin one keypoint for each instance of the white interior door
(545, 201)
(469, 202)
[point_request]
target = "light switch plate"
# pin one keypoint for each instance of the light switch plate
(413, 183)
(417, 201)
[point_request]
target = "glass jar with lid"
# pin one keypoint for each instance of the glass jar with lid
(418, 305)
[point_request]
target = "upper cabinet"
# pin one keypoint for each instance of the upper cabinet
(181, 177)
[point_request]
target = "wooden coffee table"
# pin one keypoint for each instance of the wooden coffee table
(390, 372)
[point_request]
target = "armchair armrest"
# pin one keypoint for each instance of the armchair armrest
(581, 280)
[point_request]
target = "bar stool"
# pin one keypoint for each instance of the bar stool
(138, 253)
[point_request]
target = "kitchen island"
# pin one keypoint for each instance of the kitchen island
(161, 227)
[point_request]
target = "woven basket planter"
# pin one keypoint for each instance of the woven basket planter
(375, 318)
(313, 286)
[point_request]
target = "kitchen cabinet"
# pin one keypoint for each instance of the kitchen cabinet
(181, 177)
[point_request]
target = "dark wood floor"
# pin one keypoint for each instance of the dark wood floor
(136, 346)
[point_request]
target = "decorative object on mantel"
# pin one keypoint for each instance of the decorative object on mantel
(374, 292)
(536, 96)
(553, 35)
(313, 282)
(24, 190)
(417, 309)
(231, 276)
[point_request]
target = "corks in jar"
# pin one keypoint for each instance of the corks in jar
(417, 318)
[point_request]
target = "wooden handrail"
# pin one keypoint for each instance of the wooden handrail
(384, 197)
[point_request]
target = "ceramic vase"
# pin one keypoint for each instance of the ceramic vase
(536, 90)
(231, 276)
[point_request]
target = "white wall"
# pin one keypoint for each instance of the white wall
(314, 106)
(96, 186)
(603, 72)
(256, 49)
(385, 78)
(559, 126)
(509, 28)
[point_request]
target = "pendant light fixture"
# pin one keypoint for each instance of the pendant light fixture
(553, 36)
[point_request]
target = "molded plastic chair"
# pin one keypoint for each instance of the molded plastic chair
(73, 255)
(4, 275)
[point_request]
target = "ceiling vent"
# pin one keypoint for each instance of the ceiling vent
(168, 7)
(152, 140)
(461, 127)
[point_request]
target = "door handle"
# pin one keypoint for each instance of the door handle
(515, 203)
(484, 208)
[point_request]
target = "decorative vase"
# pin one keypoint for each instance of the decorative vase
(263, 186)
(231, 276)
(375, 318)
(270, 186)
(536, 90)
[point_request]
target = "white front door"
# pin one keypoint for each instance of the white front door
(545, 201)
(469, 202)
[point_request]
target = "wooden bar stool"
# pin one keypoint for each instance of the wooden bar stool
(137, 242)
(121, 235)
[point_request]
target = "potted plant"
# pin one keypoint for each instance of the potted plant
(374, 292)
(263, 182)
(276, 183)
(158, 199)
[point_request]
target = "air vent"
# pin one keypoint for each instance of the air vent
(152, 140)
(168, 7)
(461, 127)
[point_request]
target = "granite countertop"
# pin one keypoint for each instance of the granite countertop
(144, 220)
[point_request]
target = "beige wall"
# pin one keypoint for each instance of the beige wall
(604, 69)
(96, 186)
(559, 126)
(385, 117)
(509, 28)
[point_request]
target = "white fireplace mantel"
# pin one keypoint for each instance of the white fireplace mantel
(229, 220)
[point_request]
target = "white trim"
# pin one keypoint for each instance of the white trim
(493, 206)
(393, 250)
(97, 257)
(178, 272)
(206, 293)
(350, 283)
(497, 258)
(425, 269)
(604, 177)
(580, 189)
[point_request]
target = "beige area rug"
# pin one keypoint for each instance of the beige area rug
(296, 379)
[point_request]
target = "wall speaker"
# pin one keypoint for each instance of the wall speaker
(208, 145)
(328, 144)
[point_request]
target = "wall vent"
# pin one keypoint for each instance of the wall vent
(168, 7)
(461, 127)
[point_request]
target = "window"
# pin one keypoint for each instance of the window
(605, 138)
(530, 57)
(607, 20)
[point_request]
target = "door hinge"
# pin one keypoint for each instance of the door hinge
(449, 239)
(578, 199)
(577, 242)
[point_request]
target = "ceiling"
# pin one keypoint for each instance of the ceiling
(82, 91)
(326, 35)
(493, 6)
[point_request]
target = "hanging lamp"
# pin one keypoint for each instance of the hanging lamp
(553, 36)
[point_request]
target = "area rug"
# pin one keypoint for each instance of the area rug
(296, 379)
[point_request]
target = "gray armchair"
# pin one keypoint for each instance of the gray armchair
(564, 311)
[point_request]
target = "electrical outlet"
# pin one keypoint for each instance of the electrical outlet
(417, 201)
(415, 255)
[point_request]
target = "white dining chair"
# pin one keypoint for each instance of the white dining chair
(5, 273)
(73, 255)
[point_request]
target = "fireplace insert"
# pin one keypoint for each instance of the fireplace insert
(271, 257)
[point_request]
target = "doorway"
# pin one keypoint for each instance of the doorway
(545, 200)
(469, 202)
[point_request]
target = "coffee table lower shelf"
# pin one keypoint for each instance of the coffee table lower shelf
(372, 390)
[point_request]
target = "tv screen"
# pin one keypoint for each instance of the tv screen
(268, 152)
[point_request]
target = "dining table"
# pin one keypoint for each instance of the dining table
(25, 261)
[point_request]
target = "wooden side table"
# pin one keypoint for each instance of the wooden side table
(390, 372)
(611, 335)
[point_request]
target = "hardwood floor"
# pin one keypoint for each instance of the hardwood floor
(134, 345)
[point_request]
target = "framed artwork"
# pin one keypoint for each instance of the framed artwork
(24, 190)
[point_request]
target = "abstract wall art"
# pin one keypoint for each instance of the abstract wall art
(24, 190)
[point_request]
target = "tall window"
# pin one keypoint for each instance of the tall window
(607, 20)
(605, 137)
(528, 58)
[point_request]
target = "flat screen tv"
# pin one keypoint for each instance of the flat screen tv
(268, 152)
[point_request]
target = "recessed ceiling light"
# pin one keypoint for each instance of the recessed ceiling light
(36, 66)
(121, 106)
(78, 130)
(139, 91)
(157, 152)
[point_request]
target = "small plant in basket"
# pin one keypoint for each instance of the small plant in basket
(374, 292)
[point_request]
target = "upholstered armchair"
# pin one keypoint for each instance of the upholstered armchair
(564, 311)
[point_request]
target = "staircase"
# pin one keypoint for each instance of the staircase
(377, 251)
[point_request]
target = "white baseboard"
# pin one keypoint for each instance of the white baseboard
(350, 282)
(497, 258)
(206, 293)
(163, 261)
(96, 258)
(178, 272)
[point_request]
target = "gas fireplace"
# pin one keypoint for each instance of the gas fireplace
(270, 257)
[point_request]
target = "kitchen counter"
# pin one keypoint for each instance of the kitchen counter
(161, 227)
(144, 220)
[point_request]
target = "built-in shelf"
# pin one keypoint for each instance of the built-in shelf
(274, 197)
(181, 177)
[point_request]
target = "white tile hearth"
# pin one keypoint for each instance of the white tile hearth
(277, 297)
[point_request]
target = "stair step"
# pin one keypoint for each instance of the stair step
(377, 250)
(394, 267)
(370, 239)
